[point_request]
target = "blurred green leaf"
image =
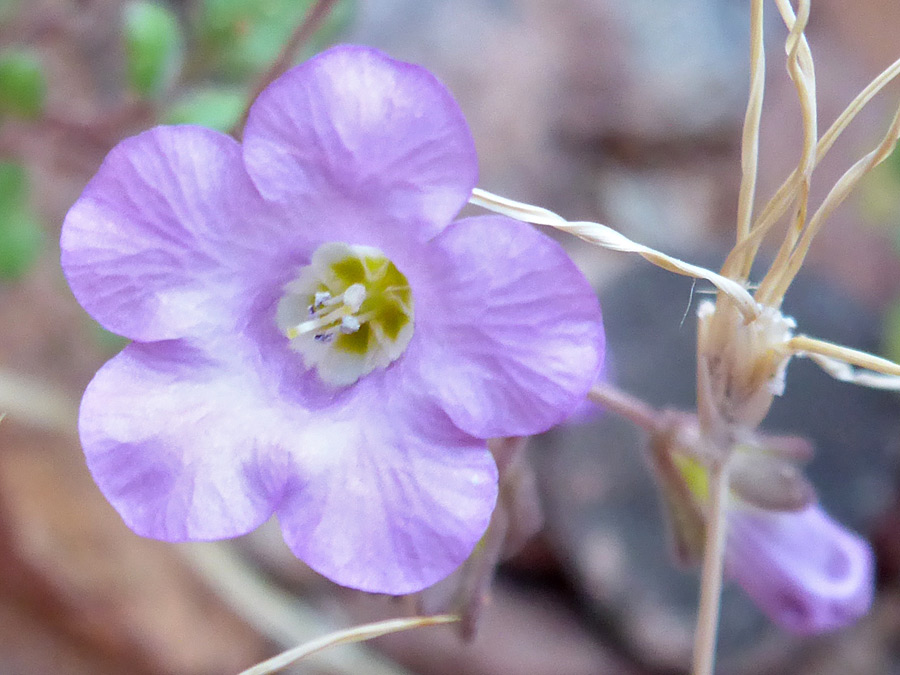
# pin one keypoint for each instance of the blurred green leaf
(21, 236)
(22, 84)
(891, 333)
(13, 185)
(154, 48)
(892, 163)
(216, 108)
(242, 37)
(878, 196)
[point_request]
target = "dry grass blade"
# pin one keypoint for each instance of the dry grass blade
(857, 104)
(835, 197)
(606, 237)
(355, 634)
(787, 192)
(770, 215)
(844, 372)
(842, 362)
(750, 137)
(802, 72)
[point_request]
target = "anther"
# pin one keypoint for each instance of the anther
(354, 296)
(319, 301)
(350, 324)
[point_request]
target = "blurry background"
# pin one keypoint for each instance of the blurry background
(624, 113)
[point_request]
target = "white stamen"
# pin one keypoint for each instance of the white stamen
(354, 296)
(350, 324)
(321, 321)
(327, 311)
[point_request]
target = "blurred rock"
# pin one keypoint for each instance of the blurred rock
(659, 72)
(98, 597)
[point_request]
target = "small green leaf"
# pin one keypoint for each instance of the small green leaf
(243, 37)
(22, 84)
(216, 108)
(154, 48)
(21, 236)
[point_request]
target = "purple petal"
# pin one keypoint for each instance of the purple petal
(806, 572)
(178, 444)
(375, 491)
(363, 145)
(394, 498)
(152, 247)
(510, 331)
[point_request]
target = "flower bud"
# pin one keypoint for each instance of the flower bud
(805, 571)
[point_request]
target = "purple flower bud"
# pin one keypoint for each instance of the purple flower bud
(805, 571)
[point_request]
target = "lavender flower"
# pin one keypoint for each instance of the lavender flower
(313, 337)
(802, 569)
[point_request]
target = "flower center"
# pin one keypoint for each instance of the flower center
(348, 312)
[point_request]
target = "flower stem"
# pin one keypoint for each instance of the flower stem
(301, 35)
(631, 408)
(713, 568)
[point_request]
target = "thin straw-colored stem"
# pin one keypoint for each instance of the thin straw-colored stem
(750, 136)
(713, 569)
(771, 213)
